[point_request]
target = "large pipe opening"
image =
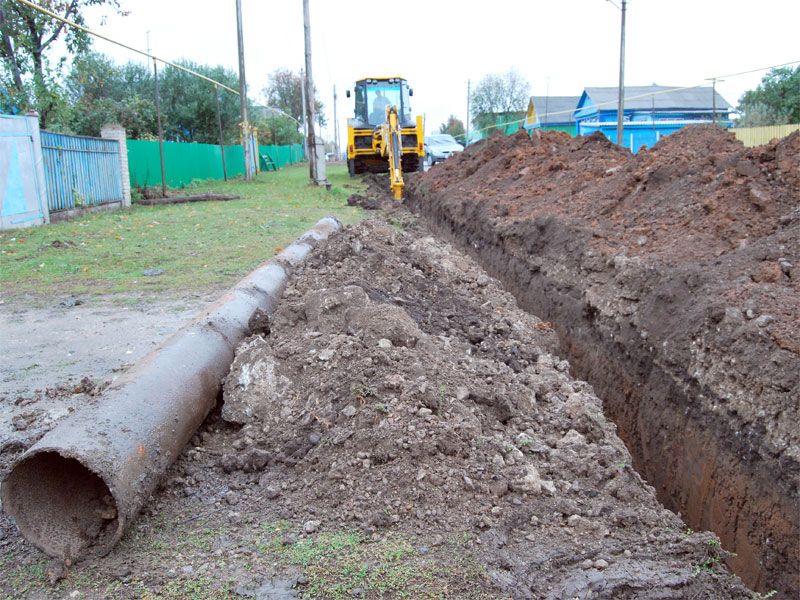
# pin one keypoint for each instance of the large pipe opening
(61, 506)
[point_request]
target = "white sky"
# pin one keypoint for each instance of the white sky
(558, 45)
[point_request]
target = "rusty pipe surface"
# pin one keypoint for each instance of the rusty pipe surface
(73, 493)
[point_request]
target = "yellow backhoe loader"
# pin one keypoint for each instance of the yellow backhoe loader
(383, 136)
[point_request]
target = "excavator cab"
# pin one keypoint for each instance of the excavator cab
(383, 135)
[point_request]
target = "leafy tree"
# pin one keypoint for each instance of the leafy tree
(100, 91)
(283, 92)
(26, 36)
(454, 127)
(189, 105)
(278, 129)
(775, 101)
(498, 97)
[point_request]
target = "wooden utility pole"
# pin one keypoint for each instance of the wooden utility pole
(316, 154)
(160, 129)
(305, 117)
(466, 125)
(335, 126)
(221, 140)
(621, 91)
(246, 142)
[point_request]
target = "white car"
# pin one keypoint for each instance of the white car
(440, 146)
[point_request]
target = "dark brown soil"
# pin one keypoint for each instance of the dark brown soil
(400, 389)
(401, 427)
(670, 277)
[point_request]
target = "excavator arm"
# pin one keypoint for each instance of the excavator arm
(391, 145)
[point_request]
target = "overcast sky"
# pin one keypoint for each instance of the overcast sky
(560, 46)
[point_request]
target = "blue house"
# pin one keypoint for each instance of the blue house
(651, 112)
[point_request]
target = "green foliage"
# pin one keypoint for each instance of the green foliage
(454, 127)
(775, 101)
(278, 130)
(26, 37)
(499, 94)
(189, 104)
(99, 92)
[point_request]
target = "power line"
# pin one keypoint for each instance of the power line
(51, 14)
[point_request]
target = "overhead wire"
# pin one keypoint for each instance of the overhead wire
(53, 15)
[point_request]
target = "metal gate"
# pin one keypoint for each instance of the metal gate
(22, 193)
(80, 171)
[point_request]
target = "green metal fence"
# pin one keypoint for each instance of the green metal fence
(186, 162)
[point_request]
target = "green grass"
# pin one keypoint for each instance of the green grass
(200, 246)
(335, 564)
(338, 563)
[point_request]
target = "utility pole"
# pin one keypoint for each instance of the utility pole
(221, 141)
(158, 118)
(621, 91)
(714, 100)
(305, 117)
(466, 125)
(248, 149)
(335, 125)
(316, 154)
(160, 129)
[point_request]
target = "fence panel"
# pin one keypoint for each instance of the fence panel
(80, 171)
(756, 136)
(185, 162)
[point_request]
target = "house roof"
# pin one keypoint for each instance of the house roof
(647, 97)
(563, 106)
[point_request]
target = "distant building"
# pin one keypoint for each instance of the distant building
(556, 113)
(651, 112)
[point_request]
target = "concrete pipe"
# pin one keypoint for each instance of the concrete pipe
(74, 492)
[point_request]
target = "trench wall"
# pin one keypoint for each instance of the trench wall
(702, 467)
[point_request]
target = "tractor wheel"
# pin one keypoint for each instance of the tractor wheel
(351, 167)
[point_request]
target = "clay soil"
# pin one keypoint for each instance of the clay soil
(671, 278)
(399, 428)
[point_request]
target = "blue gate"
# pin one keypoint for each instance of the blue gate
(80, 171)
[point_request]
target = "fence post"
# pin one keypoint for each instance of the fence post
(113, 131)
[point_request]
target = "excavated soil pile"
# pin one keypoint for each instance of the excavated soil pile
(671, 279)
(400, 388)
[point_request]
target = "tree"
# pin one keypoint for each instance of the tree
(278, 129)
(26, 35)
(189, 105)
(454, 127)
(499, 96)
(775, 101)
(99, 92)
(283, 92)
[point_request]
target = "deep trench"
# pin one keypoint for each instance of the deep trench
(712, 481)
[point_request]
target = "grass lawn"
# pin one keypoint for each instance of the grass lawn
(200, 246)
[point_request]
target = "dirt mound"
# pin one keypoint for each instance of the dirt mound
(401, 389)
(670, 276)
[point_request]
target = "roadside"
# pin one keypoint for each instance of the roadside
(181, 248)
(82, 300)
